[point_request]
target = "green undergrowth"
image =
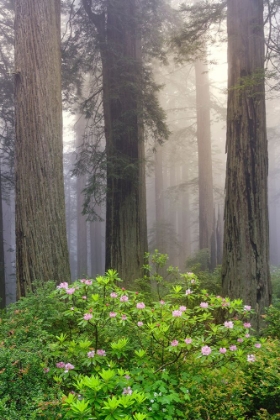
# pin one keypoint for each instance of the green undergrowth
(94, 350)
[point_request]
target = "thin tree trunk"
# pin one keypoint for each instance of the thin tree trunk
(159, 201)
(184, 219)
(2, 259)
(205, 177)
(96, 246)
(219, 237)
(82, 267)
(41, 241)
(245, 270)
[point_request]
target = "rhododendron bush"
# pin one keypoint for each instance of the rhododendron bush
(111, 353)
(126, 358)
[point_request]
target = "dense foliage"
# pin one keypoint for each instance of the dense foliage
(94, 350)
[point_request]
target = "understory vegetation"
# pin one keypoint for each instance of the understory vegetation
(94, 350)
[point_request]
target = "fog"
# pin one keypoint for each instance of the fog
(172, 174)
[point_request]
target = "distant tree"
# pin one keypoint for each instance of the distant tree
(2, 258)
(245, 269)
(205, 176)
(82, 267)
(41, 244)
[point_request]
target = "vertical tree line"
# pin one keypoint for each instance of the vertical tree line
(41, 244)
(245, 270)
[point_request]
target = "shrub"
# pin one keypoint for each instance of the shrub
(124, 358)
(94, 350)
(24, 335)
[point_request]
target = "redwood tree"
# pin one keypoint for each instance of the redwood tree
(41, 243)
(120, 50)
(245, 269)
(205, 176)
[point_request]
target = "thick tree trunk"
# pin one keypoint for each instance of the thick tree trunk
(126, 226)
(41, 242)
(126, 231)
(245, 271)
(205, 177)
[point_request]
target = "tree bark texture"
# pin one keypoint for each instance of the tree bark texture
(41, 242)
(126, 229)
(245, 269)
(205, 177)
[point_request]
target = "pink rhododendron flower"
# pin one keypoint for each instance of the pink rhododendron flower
(233, 348)
(247, 335)
(204, 305)
(46, 370)
(101, 352)
(68, 367)
(88, 282)
(140, 305)
(127, 391)
(247, 325)
(193, 281)
(174, 343)
(124, 317)
(63, 285)
(258, 345)
(72, 308)
(127, 377)
(140, 324)
(114, 295)
(247, 308)
(183, 308)
(84, 297)
(222, 350)
(70, 291)
(177, 313)
(228, 324)
(251, 358)
(124, 298)
(60, 365)
(188, 340)
(87, 317)
(82, 280)
(162, 302)
(206, 350)
(112, 314)
(91, 354)
(188, 292)
(240, 340)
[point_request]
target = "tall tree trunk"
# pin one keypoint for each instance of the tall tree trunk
(184, 217)
(245, 270)
(126, 226)
(159, 201)
(41, 242)
(219, 236)
(205, 177)
(82, 247)
(2, 259)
